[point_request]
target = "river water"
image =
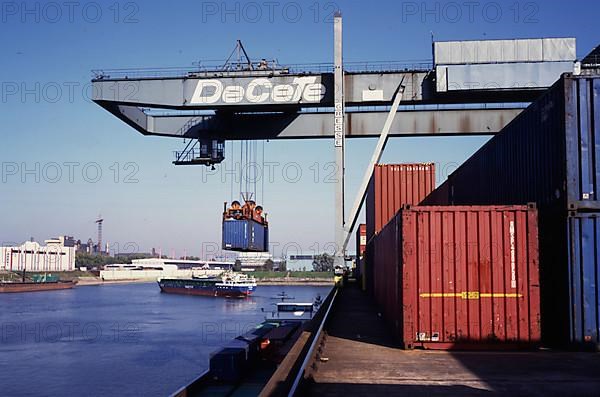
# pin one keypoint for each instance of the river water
(120, 340)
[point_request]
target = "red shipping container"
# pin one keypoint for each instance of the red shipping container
(361, 246)
(385, 252)
(361, 239)
(395, 185)
(460, 276)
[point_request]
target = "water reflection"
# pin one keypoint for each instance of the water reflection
(125, 340)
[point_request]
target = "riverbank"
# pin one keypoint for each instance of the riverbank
(296, 281)
(88, 281)
(292, 278)
(316, 282)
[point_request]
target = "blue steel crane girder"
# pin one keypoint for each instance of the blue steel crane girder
(248, 92)
(262, 104)
(294, 125)
(277, 93)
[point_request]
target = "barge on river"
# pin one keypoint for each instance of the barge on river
(230, 285)
(37, 283)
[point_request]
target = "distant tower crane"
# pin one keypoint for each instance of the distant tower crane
(99, 222)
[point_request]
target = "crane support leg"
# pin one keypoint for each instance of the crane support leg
(339, 141)
(362, 191)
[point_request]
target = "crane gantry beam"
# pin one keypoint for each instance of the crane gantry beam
(311, 125)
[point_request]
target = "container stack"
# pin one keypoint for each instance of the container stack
(391, 187)
(245, 228)
(460, 277)
(395, 185)
(548, 155)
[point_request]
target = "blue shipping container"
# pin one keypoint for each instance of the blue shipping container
(245, 235)
(584, 276)
(549, 154)
(569, 269)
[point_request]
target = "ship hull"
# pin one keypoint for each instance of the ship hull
(205, 292)
(35, 287)
(204, 288)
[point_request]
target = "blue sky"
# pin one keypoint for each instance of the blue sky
(49, 49)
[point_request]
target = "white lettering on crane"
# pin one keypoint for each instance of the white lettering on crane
(202, 96)
(233, 94)
(260, 90)
(283, 93)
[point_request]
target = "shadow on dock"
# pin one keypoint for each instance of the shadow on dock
(359, 356)
(359, 389)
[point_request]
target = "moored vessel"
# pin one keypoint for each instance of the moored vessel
(230, 285)
(38, 283)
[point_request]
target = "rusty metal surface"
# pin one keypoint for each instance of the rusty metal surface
(395, 185)
(295, 125)
(460, 277)
(549, 155)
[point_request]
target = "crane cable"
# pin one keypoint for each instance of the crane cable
(262, 177)
(250, 169)
(255, 167)
(232, 179)
(241, 167)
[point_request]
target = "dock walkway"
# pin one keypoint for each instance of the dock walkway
(359, 357)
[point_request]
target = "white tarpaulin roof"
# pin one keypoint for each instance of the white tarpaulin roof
(502, 51)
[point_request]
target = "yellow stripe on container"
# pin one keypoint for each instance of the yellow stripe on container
(469, 295)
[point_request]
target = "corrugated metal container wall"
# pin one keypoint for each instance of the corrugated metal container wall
(369, 273)
(386, 258)
(440, 196)
(548, 154)
(361, 239)
(245, 235)
(584, 277)
(569, 273)
(468, 276)
(361, 245)
(395, 185)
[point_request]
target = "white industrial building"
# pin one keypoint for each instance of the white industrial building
(154, 268)
(257, 261)
(57, 255)
(166, 263)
